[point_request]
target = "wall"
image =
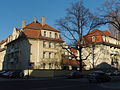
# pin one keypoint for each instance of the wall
(47, 73)
(2, 54)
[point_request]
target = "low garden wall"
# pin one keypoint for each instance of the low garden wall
(50, 73)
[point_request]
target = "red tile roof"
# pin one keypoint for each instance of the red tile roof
(47, 27)
(67, 55)
(97, 32)
(37, 25)
(33, 25)
(33, 33)
(98, 36)
(71, 62)
(73, 50)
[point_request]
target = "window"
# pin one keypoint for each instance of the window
(44, 44)
(50, 55)
(45, 34)
(93, 38)
(44, 55)
(50, 34)
(50, 65)
(44, 65)
(50, 45)
(56, 36)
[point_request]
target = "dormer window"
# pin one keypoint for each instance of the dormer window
(93, 38)
(45, 34)
(50, 34)
(56, 36)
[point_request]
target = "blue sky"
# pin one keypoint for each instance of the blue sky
(12, 12)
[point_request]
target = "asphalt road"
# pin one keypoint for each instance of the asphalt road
(50, 84)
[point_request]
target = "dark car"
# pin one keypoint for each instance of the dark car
(2, 72)
(7, 74)
(75, 75)
(98, 77)
(117, 73)
(17, 74)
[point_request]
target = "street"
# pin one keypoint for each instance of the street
(50, 84)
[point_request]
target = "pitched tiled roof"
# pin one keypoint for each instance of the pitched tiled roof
(72, 62)
(33, 25)
(73, 50)
(47, 27)
(98, 36)
(97, 32)
(37, 25)
(33, 30)
(32, 33)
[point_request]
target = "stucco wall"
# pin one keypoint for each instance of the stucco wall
(2, 54)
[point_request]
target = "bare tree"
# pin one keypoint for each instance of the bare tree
(77, 22)
(111, 15)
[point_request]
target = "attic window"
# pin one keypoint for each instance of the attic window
(93, 38)
(56, 36)
(50, 34)
(45, 34)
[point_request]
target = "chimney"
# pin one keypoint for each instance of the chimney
(35, 19)
(43, 20)
(23, 23)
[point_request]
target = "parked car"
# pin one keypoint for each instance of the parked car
(7, 74)
(98, 77)
(2, 72)
(117, 73)
(75, 75)
(110, 72)
(17, 74)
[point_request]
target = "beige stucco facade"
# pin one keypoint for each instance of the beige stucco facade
(107, 51)
(39, 47)
(34, 48)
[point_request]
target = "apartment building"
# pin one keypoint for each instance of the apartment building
(38, 46)
(35, 46)
(101, 47)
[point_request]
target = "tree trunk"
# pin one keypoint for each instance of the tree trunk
(93, 56)
(80, 59)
